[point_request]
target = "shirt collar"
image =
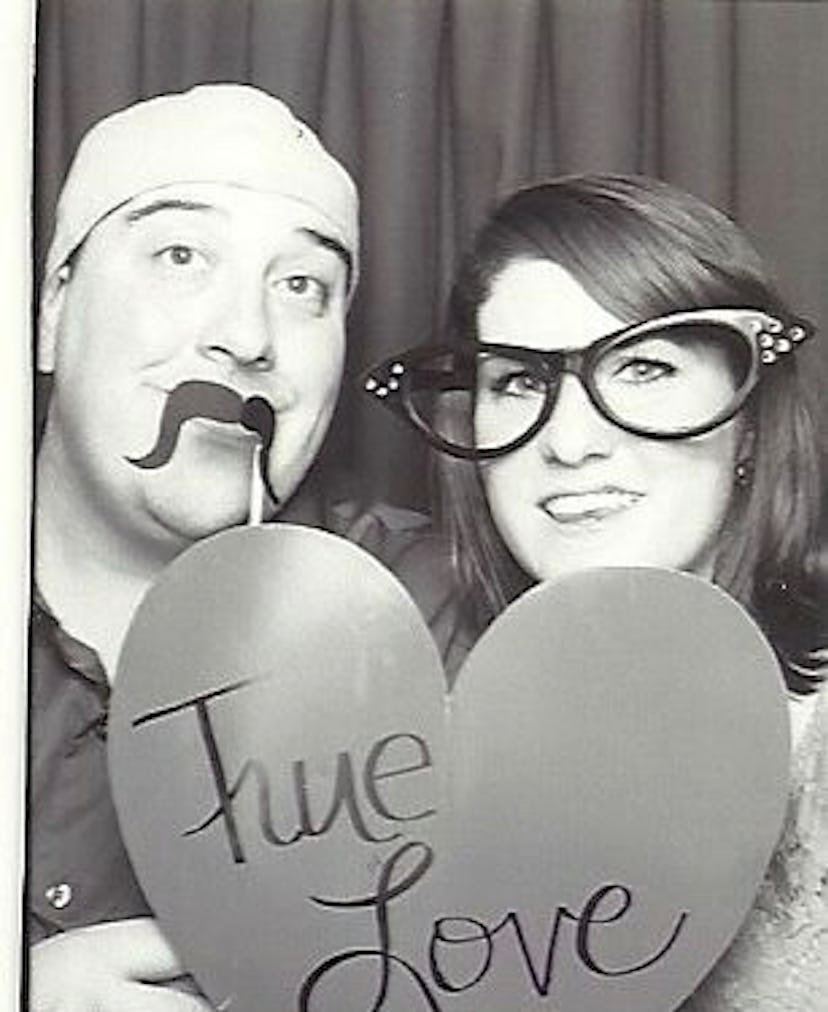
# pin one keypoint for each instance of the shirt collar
(77, 655)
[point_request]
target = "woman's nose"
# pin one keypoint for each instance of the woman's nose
(240, 333)
(575, 431)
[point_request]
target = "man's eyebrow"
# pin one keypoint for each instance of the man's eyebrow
(166, 204)
(328, 242)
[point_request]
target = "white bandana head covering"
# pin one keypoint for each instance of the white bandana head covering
(214, 133)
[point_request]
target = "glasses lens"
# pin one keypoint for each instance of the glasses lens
(475, 399)
(672, 379)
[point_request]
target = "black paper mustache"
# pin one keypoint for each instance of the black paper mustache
(201, 399)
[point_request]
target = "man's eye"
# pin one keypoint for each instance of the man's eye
(179, 255)
(303, 290)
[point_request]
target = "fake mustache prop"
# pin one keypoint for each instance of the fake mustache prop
(201, 399)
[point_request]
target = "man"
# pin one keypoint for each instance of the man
(204, 254)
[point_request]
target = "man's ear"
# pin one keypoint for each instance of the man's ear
(51, 307)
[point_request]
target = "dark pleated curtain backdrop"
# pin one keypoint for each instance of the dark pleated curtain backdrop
(438, 107)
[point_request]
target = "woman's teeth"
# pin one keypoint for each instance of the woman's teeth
(576, 507)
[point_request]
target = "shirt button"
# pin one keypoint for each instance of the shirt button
(59, 896)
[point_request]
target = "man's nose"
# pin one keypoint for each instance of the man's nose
(575, 431)
(240, 332)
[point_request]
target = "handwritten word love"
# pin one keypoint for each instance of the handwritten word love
(454, 932)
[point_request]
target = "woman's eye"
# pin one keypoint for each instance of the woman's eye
(518, 384)
(303, 290)
(644, 370)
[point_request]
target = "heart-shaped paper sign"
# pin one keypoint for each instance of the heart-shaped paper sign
(579, 827)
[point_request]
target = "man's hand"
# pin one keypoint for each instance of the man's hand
(114, 967)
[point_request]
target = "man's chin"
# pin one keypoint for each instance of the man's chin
(186, 504)
(182, 521)
(179, 525)
(179, 534)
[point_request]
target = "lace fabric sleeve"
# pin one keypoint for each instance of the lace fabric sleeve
(779, 960)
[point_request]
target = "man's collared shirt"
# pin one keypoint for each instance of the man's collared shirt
(78, 870)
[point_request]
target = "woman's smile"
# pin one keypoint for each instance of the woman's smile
(589, 507)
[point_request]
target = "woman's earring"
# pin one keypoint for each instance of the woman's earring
(744, 473)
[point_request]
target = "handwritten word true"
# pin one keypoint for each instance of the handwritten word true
(396, 755)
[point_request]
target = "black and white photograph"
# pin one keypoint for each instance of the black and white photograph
(426, 598)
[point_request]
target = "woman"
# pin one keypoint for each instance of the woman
(621, 387)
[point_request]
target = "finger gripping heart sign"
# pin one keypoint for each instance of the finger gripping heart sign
(580, 826)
